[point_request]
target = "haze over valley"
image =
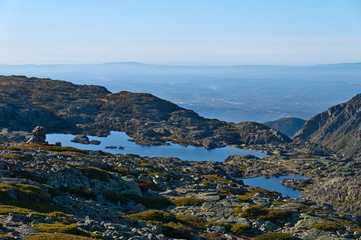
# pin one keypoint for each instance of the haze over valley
(231, 93)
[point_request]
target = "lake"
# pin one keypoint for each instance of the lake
(274, 184)
(118, 139)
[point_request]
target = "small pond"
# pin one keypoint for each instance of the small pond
(274, 184)
(120, 139)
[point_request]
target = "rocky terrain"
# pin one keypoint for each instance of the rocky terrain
(337, 128)
(288, 125)
(65, 107)
(54, 192)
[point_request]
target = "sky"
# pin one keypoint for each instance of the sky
(180, 32)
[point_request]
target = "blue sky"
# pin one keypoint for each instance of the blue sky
(192, 32)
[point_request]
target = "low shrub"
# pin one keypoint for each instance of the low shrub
(265, 192)
(240, 228)
(157, 203)
(328, 226)
(29, 175)
(95, 173)
(266, 214)
(145, 186)
(86, 193)
(213, 236)
(215, 178)
(192, 221)
(245, 197)
(276, 236)
(187, 201)
(114, 197)
(152, 215)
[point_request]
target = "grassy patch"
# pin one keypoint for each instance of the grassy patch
(48, 147)
(186, 201)
(5, 209)
(63, 228)
(12, 156)
(56, 236)
(276, 236)
(328, 226)
(240, 228)
(266, 214)
(27, 196)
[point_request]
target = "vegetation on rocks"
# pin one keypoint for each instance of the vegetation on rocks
(276, 236)
(240, 228)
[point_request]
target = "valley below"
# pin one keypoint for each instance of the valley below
(49, 190)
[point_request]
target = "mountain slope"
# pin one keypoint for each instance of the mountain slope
(288, 125)
(338, 128)
(66, 107)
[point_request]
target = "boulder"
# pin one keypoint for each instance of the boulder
(39, 135)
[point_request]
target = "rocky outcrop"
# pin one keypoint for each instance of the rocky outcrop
(288, 125)
(338, 128)
(81, 109)
(39, 135)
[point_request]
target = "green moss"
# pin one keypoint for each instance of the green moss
(266, 214)
(56, 236)
(276, 236)
(95, 173)
(240, 228)
(215, 178)
(186, 201)
(328, 226)
(63, 228)
(205, 182)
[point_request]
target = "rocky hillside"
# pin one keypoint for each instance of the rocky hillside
(65, 107)
(51, 192)
(288, 125)
(338, 128)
